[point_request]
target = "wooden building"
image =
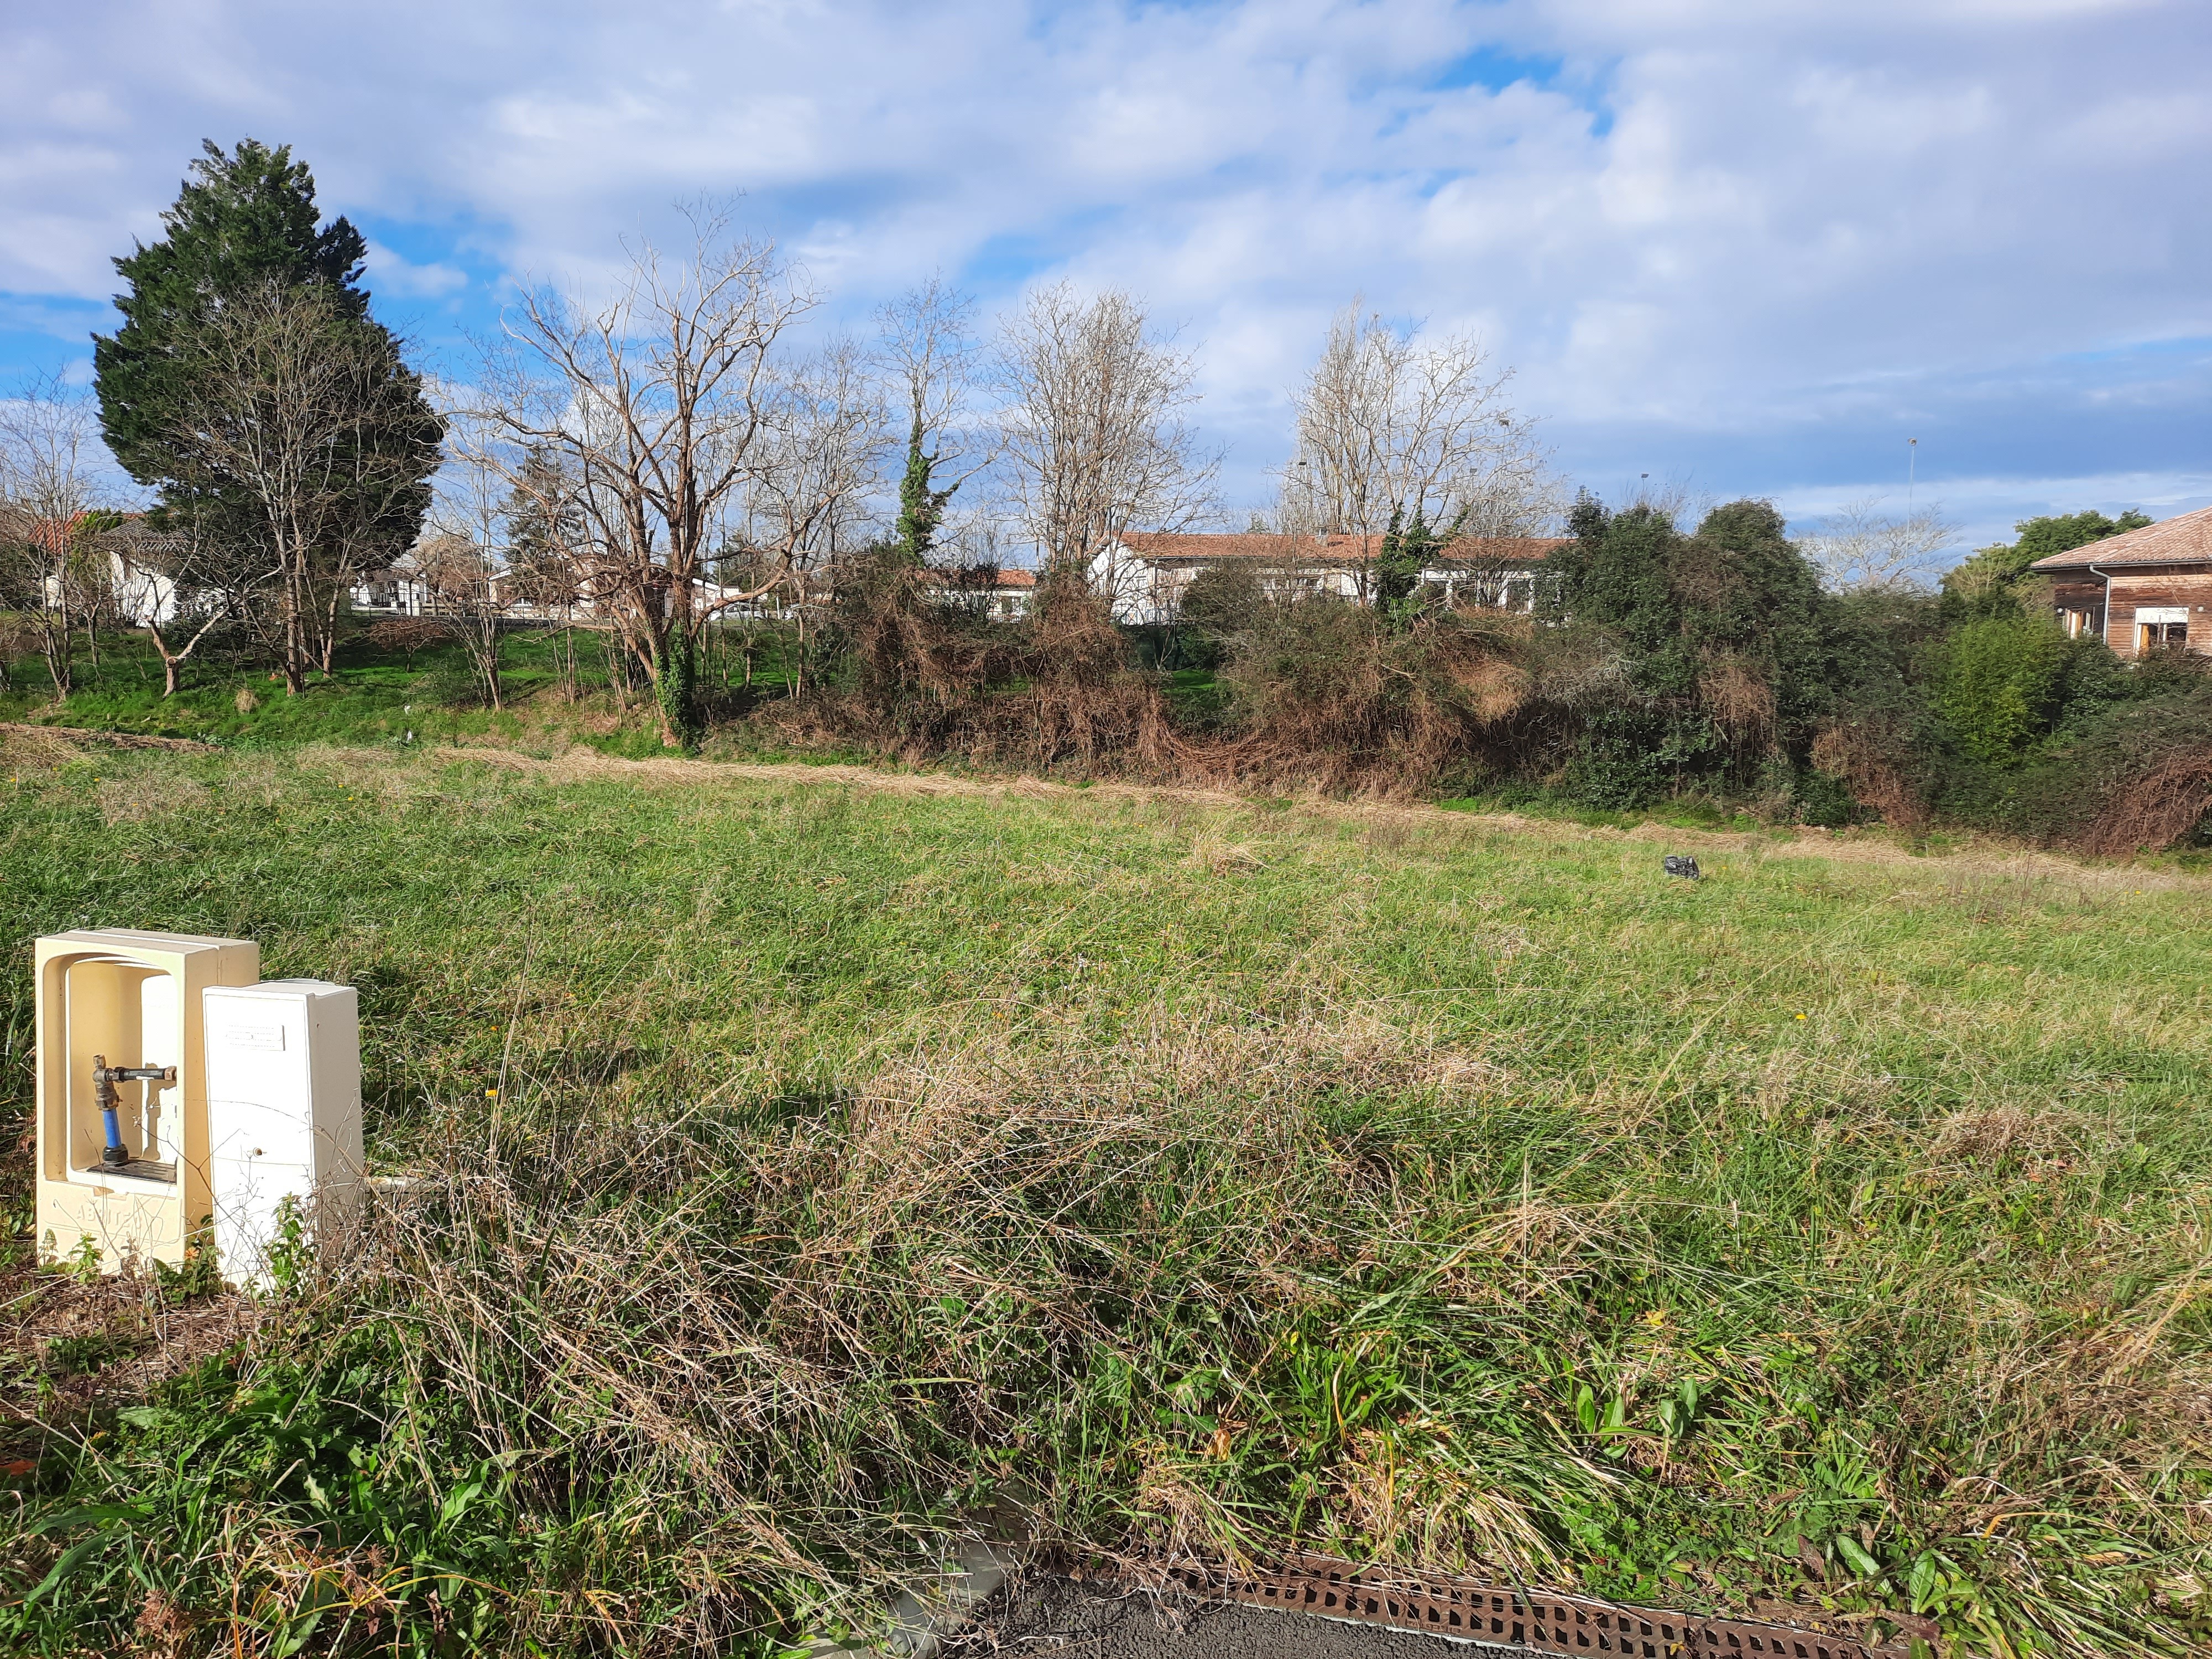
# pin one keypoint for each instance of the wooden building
(2148, 590)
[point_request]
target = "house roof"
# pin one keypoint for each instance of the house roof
(1002, 579)
(2185, 539)
(1486, 550)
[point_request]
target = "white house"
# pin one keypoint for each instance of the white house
(1148, 573)
(1009, 591)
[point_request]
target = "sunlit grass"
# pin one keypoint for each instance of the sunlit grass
(1188, 1173)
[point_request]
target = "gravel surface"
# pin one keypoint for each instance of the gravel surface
(1053, 1616)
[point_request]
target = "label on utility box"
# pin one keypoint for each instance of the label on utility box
(268, 1038)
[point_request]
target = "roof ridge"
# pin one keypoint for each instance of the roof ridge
(2185, 539)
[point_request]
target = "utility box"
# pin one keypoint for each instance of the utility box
(284, 1090)
(122, 1158)
(177, 1092)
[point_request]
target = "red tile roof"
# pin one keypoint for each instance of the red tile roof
(1489, 550)
(1002, 580)
(2186, 538)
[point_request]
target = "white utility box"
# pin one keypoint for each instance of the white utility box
(283, 1092)
(175, 1094)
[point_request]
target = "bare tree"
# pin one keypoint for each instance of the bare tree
(929, 355)
(177, 586)
(292, 411)
(459, 564)
(1094, 437)
(50, 480)
(665, 407)
(1393, 431)
(1864, 548)
(819, 459)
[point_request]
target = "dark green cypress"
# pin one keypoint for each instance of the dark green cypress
(243, 223)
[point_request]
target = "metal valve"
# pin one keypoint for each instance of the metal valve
(104, 1079)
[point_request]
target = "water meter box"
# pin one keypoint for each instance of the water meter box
(283, 1082)
(122, 1121)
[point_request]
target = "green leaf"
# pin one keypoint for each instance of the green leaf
(1862, 1564)
(456, 1503)
(1922, 1582)
(86, 1514)
(72, 1559)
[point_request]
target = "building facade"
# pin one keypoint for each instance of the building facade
(2147, 590)
(1147, 574)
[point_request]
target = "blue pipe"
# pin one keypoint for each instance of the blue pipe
(114, 1131)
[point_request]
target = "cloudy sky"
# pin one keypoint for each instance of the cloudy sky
(1745, 246)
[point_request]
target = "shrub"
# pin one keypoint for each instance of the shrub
(1336, 693)
(2002, 684)
(405, 635)
(1725, 640)
(1219, 606)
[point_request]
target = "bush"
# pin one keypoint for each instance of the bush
(1333, 693)
(2002, 685)
(1824, 801)
(405, 635)
(1220, 606)
(1726, 643)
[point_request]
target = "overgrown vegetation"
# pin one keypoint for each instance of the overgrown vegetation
(1172, 1172)
(1660, 665)
(730, 491)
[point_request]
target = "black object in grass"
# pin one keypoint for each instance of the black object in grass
(1677, 864)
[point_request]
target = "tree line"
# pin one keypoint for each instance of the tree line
(656, 455)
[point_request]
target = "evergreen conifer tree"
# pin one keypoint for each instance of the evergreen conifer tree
(245, 225)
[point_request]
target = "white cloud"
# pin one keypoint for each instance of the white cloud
(1758, 240)
(392, 274)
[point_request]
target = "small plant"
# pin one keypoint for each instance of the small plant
(291, 1252)
(199, 1274)
(84, 1262)
(85, 1355)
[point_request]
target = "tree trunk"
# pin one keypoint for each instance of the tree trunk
(675, 678)
(295, 627)
(59, 667)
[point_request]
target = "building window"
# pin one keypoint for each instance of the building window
(2161, 626)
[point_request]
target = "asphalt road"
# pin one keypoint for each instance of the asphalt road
(1066, 1620)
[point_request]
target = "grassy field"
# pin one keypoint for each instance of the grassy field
(394, 699)
(1175, 1172)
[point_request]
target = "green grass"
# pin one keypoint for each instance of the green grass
(373, 697)
(1184, 1174)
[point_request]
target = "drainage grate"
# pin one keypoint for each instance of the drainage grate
(1545, 1620)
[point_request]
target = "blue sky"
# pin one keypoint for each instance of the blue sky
(1743, 247)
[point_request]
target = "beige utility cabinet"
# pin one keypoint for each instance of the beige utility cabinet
(130, 1000)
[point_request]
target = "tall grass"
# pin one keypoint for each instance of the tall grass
(1180, 1175)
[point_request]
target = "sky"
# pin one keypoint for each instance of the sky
(1745, 249)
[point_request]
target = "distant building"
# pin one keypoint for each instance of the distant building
(1006, 593)
(2146, 590)
(1148, 573)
